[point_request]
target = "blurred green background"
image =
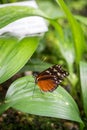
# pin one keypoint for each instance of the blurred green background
(64, 43)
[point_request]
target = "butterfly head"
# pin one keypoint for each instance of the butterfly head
(35, 74)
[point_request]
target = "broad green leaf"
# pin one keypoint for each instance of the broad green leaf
(36, 65)
(76, 31)
(6, 18)
(3, 107)
(25, 96)
(9, 14)
(14, 53)
(83, 79)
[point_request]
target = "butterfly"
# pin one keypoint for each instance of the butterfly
(49, 79)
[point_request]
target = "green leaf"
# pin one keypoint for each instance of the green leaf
(83, 77)
(54, 11)
(14, 53)
(76, 31)
(37, 65)
(25, 96)
(9, 14)
(3, 107)
(81, 19)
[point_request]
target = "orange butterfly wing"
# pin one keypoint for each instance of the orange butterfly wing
(47, 85)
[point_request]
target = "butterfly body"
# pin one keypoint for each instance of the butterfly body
(49, 79)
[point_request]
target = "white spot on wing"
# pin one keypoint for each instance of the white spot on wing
(58, 74)
(54, 70)
(48, 71)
